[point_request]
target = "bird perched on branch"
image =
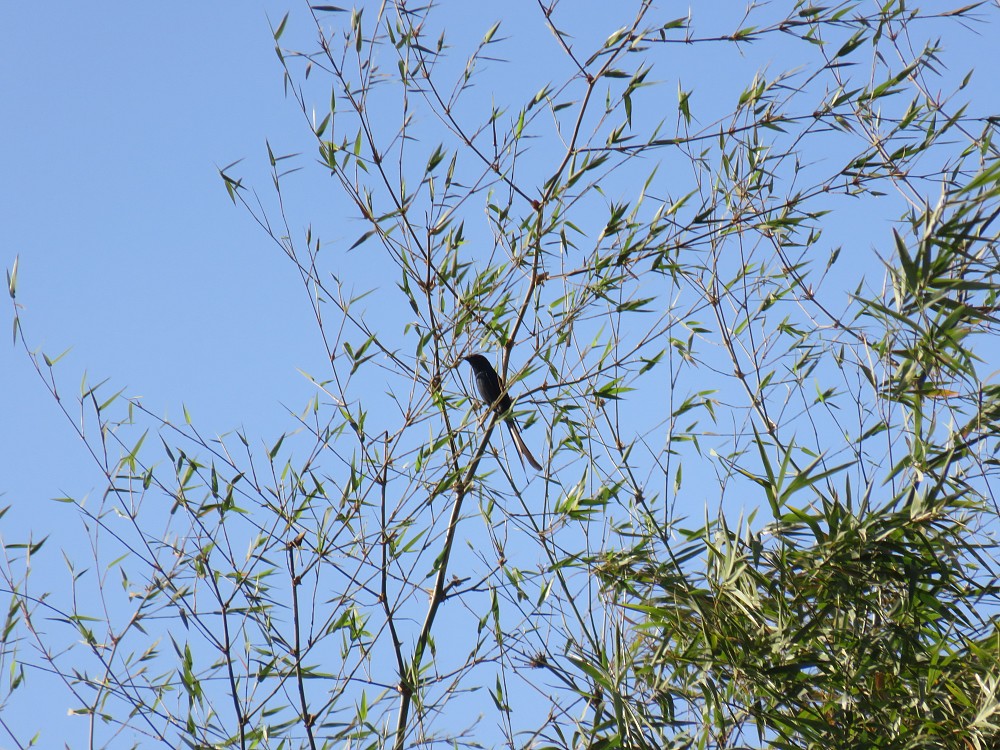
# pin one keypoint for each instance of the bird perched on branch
(492, 392)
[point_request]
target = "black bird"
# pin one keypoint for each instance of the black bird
(492, 392)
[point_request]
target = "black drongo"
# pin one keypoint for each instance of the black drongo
(492, 392)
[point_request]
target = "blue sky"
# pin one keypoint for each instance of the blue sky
(131, 253)
(117, 119)
(132, 256)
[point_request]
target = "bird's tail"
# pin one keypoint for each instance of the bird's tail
(522, 449)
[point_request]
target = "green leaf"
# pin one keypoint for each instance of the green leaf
(12, 278)
(277, 447)
(362, 239)
(856, 40)
(281, 28)
(489, 34)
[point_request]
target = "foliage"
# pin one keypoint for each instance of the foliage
(766, 516)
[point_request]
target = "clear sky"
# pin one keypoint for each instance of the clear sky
(131, 253)
(117, 118)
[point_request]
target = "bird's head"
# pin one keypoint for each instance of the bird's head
(476, 360)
